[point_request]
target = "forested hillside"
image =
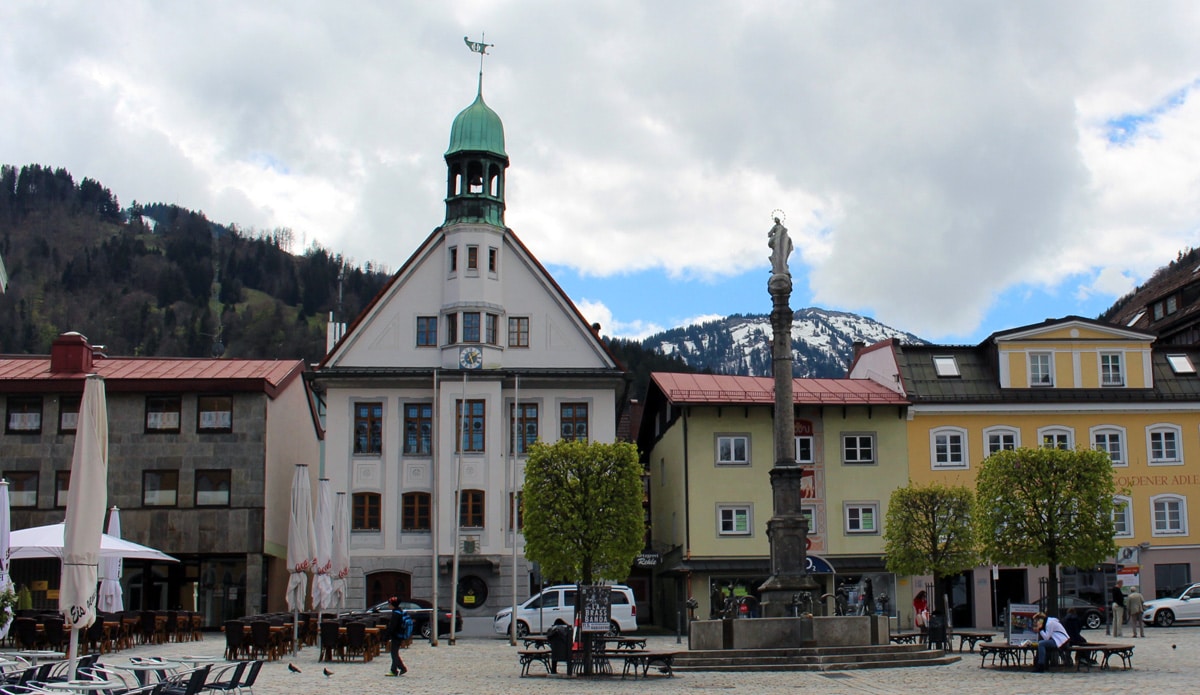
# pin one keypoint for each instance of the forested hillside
(159, 279)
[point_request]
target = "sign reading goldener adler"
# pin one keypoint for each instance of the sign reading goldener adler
(597, 608)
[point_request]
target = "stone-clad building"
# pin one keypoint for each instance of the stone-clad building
(201, 457)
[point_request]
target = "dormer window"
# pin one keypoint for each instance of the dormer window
(1111, 372)
(946, 366)
(1041, 369)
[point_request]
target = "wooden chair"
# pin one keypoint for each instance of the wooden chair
(261, 643)
(331, 641)
(55, 633)
(235, 640)
(25, 629)
(356, 641)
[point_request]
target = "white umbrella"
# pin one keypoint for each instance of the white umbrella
(301, 552)
(87, 496)
(111, 600)
(47, 541)
(322, 586)
(341, 550)
(6, 583)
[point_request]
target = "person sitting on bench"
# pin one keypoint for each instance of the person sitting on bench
(1051, 635)
(1074, 627)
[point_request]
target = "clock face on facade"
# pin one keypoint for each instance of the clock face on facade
(470, 358)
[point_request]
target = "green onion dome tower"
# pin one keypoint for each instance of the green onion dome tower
(475, 164)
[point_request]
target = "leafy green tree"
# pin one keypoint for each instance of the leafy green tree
(930, 530)
(1046, 506)
(583, 509)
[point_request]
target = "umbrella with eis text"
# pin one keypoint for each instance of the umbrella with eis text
(87, 496)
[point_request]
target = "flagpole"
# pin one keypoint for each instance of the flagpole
(518, 442)
(462, 428)
(434, 505)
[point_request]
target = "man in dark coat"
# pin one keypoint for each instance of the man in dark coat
(398, 630)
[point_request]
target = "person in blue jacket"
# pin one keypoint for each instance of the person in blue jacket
(399, 630)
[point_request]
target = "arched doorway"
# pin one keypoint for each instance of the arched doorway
(383, 585)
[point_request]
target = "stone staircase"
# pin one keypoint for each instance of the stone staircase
(813, 659)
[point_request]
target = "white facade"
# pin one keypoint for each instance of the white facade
(514, 332)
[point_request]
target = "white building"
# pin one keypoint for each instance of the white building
(420, 394)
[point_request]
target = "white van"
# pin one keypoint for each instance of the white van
(555, 605)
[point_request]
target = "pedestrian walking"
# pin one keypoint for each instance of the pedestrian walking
(399, 629)
(1135, 603)
(1118, 608)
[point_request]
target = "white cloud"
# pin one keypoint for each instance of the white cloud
(931, 155)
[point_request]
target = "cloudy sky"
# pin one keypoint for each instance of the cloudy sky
(950, 168)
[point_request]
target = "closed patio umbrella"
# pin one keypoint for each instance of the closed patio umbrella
(6, 583)
(341, 550)
(301, 552)
(322, 586)
(87, 496)
(111, 600)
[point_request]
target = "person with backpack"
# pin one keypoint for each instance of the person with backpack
(399, 629)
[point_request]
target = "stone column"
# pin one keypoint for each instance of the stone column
(787, 529)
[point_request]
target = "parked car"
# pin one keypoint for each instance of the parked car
(555, 605)
(1164, 612)
(1092, 615)
(419, 609)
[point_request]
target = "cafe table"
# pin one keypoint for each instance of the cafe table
(143, 668)
(32, 655)
(84, 686)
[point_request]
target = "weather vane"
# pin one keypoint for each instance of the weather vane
(479, 47)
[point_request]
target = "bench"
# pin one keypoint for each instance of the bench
(972, 637)
(643, 660)
(528, 656)
(906, 637)
(1014, 654)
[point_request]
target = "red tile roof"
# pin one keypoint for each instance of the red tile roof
(32, 374)
(719, 388)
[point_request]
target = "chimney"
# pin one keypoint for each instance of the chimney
(70, 354)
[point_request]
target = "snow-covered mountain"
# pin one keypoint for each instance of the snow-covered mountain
(822, 342)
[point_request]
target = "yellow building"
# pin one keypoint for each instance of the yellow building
(708, 447)
(1065, 382)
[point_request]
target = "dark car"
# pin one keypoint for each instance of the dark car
(1093, 616)
(419, 609)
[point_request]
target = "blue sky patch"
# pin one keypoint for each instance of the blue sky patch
(1123, 129)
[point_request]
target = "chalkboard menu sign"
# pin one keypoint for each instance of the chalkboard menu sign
(597, 609)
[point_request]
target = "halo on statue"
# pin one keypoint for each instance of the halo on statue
(779, 216)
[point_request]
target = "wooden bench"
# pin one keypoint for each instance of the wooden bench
(526, 657)
(906, 637)
(1014, 654)
(1123, 651)
(971, 637)
(643, 659)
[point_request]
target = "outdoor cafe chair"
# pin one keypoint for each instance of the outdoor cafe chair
(26, 631)
(54, 630)
(247, 687)
(261, 642)
(187, 683)
(227, 678)
(235, 640)
(331, 640)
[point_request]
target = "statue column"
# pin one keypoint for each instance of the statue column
(787, 529)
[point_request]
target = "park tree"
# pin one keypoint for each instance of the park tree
(583, 509)
(930, 530)
(1046, 506)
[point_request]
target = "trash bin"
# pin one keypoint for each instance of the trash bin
(935, 636)
(560, 638)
